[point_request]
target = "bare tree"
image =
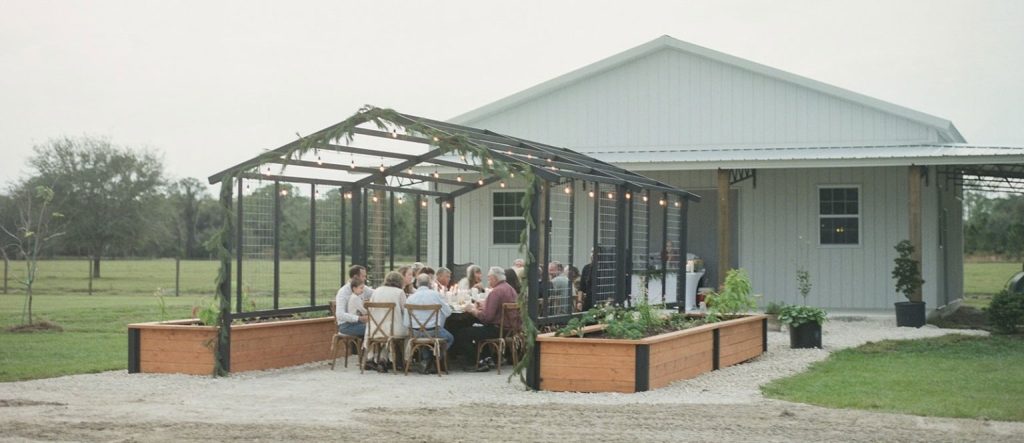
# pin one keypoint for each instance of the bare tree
(33, 228)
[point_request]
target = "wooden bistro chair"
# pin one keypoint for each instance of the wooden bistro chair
(509, 336)
(419, 337)
(380, 332)
(345, 341)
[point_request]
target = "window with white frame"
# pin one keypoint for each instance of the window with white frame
(507, 223)
(839, 215)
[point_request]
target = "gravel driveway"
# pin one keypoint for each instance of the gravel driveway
(312, 402)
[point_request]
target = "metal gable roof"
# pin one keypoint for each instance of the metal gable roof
(945, 128)
(813, 156)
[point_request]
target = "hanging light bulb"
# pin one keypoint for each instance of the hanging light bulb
(490, 162)
(382, 164)
(319, 160)
(611, 196)
(436, 175)
(645, 198)
(348, 195)
(591, 194)
(458, 178)
(267, 172)
(375, 199)
(409, 171)
(352, 163)
(480, 181)
(549, 160)
(317, 193)
(677, 204)
(661, 202)
(511, 175)
(629, 196)
(401, 200)
(568, 189)
(448, 205)
(436, 139)
(247, 186)
(509, 152)
(284, 192)
(529, 156)
(394, 133)
(462, 157)
(502, 184)
(423, 203)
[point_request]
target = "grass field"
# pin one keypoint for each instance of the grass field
(95, 339)
(950, 376)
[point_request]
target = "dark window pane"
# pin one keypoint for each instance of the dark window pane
(840, 231)
(506, 204)
(507, 232)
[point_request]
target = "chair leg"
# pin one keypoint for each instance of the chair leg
(501, 352)
(334, 351)
(362, 359)
(437, 357)
(408, 360)
(479, 347)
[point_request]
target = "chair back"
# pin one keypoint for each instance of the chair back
(511, 322)
(459, 272)
(421, 329)
(380, 324)
(334, 308)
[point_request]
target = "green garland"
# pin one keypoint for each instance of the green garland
(222, 240)
(387, 119)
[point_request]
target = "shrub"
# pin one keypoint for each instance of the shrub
(1006, 312)
(734, 299)
(774, 308)
(907, 273)
(794, 316)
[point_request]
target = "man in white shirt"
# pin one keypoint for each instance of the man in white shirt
(424, 295)
(351, 323)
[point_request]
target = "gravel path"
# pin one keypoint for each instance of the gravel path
(311, 402)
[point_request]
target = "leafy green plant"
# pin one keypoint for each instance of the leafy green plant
(209, 314)
(794, 316)
(1006, 312)
(773, 308)
(642, 321)
(734, 299)
(907, 272)
(159, 294)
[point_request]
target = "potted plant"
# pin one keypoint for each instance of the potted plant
(907, 274)
(772, 311)
(804, 322)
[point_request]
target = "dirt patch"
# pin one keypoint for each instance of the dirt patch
(17, 402)
(39, 326)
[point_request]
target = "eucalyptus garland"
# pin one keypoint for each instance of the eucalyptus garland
(386, 120)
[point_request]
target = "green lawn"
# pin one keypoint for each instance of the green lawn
(950, 376)
(982, 280)
(95, 333)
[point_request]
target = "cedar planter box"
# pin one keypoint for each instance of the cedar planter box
(613, 365)
(184, 346)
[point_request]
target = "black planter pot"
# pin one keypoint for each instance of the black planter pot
(910, 313)
(807, 335)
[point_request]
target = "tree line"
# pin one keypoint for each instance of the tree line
(118, 202)
(994, 224)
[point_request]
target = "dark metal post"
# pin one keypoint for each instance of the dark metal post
(596, 254)
(533, 282)
(545, 278)
(364, 254)
(450, 240)
(312, 244)
(664, 245)
(440, 232)
(391, 230)
(681, 279)
(357, 227)
(223, 352)
(419, 233)
(277, 243)
(342, 229)
(239, 227)
(572, 222)
(134, 361)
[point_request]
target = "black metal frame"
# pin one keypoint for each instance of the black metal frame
(551, 166)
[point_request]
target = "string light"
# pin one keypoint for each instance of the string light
(661, 202)
(490, 162)
(529, 156)
(319, 160)
(629, 196)
(409, 171)
(423, 203)
(436, 175)
(462, 157)
(549, 160)
(447, 205)
(677, 204)
(480, 181)
(610, 195)
(436, 139)
(375, 199)
(645, 198)
(401, 200)
(459, 179)
(382, 164)
(284, 192)
(394, 133)
(348, 195)
(247, 186)
(511, 175)
(591, 194)
(568, 189)
(352, 162)
(502, 184)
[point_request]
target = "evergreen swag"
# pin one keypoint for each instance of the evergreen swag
(388, 120)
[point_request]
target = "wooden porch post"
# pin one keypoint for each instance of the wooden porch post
(723, 225)
(914, 191)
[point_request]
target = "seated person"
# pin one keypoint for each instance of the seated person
(426, 270)
(391, 292)
(424, 295)
(355, 307)
(408, 275)
(353, 323)
(559, 291)
(444, 279)
(473, 279)
(489, 314)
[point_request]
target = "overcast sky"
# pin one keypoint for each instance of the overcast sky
(209, 84)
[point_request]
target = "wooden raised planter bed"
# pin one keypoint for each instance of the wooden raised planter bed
(184, 346)
(614, 365)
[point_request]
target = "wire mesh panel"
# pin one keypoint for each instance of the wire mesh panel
(257, 245)
(640, 256)
(560, 249)
(604, 281)
(422, 228)
(378, 227)
(673, 228)
(328, 243)
(294, 238)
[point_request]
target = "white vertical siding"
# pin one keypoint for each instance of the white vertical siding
(678, 99)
